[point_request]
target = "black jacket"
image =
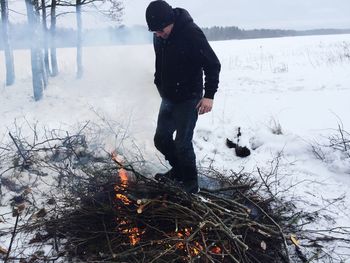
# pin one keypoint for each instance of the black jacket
(181, 60)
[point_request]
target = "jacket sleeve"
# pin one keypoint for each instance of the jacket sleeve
(157, 73)
(206, 57)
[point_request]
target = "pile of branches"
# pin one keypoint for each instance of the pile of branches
(144, 220)
(100, 208)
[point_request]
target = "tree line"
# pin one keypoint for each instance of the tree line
(120, 34)
(42, 32)
(232, 32)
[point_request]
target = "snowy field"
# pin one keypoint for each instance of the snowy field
(286, 94)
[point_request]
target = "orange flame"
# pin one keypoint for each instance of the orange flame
(133, 233)
(123, 198)
(122, 173)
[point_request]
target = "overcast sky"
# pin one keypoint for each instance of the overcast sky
(249, 14)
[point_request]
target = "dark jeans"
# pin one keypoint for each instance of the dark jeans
(182, 118)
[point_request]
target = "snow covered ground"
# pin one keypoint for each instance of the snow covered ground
(299, 85)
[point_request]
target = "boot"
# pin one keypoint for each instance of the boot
(171, 175)
(191, 186)
(190, 179)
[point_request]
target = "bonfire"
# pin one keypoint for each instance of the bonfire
(106, 209)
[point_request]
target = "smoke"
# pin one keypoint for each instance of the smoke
(117, 85)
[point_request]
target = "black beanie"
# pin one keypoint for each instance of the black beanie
(159, 14)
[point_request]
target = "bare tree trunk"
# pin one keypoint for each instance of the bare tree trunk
(41, 33)
(54, 64)
(10, 69)
(46, 36)
(79, 39)
(35, 50)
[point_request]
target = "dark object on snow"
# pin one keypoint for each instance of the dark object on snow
(240, 151)
(239, 134)
(230, 144)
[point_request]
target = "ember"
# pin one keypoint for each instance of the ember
(134, 235)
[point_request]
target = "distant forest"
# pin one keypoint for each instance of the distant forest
(226, 33)
(66, 37)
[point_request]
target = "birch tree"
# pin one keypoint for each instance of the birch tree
(53, 53)
(79, 39)
(39, 77)
(45, 32)
(10, 69)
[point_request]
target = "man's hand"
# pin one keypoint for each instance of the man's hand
(205, 105)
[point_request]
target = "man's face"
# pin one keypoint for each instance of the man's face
(165, 32)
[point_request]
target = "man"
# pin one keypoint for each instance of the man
(182, 54)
